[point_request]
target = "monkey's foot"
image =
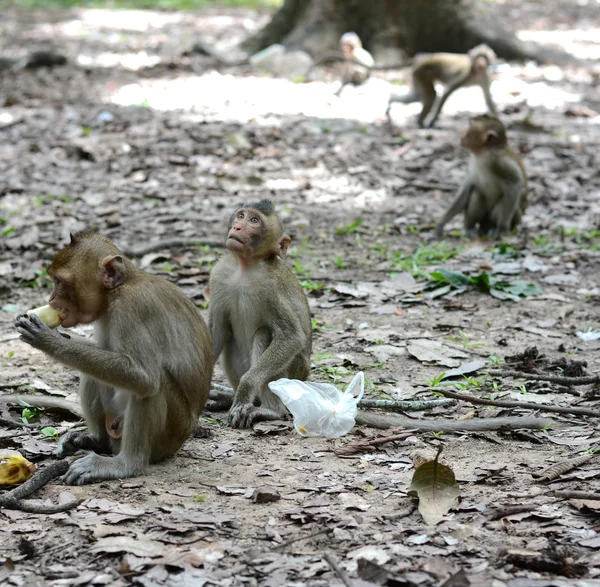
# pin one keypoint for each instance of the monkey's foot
(246, 415)
(219, 401)
(93, 467)
(73, 441)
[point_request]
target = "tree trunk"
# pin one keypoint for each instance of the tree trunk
(414, 26)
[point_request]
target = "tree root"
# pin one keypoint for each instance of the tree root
(385, 421)
(53, 404)
(515, 404)
(560, 379)
(15, 499)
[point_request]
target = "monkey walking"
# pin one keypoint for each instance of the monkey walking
(146, 380)
(454, 71)
(258, 316)
(493, 196)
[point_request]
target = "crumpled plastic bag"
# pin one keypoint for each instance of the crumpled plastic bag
(320, 409)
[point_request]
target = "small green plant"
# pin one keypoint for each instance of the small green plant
(436, 380)
(467, 383)
(310, 285)
(522, 389)
(495, 359)
(349, 228)
(50, 432)
(464, 341)
(340, 263)
(29, 413)
(426, 254)
(200, 497)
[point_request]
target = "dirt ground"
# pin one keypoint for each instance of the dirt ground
(137, 142)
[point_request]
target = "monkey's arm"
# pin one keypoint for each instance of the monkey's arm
(509, 204)
(459, 204)
(120, 370)
(485, 86)
(220, 329)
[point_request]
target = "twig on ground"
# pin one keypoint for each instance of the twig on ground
(15, 499)
(307, 537)
(386, 421)
(510, 510)
(515, 404)
(401, 514)
(406, 405)
(562, 380)
(359, 446)
(169, 244)
(555, 471)
(577, 495)
(338, 570)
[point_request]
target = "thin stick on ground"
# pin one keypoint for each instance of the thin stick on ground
(577, 495)
(555, 471)
(369, 445)
(169, 244)
(515, 404)
(307, 537)
(15, 499)
(406, 405)
(560, 379)
(338, 570)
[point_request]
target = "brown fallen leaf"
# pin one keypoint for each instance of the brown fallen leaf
(436, 487)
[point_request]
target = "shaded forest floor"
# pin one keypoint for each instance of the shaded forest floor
(140, 143)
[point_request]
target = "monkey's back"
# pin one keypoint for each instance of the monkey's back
(171, 338)
(443, 67)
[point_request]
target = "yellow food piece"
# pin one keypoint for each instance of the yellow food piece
(15, 469)
(48, 315)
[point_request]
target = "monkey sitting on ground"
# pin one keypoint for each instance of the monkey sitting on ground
(494, 193)
(454, 71)
(146, 380)
(353, 52)
(258, 316)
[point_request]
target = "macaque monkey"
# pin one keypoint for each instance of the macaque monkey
(145, 381)
(258, 316)
(454, 71)
(355, 56)
(494, 193)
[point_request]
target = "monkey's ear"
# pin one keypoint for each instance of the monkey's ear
(74, 239)
(492, 138)
(282, 247)
(112, 271)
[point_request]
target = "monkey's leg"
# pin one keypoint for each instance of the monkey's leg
(96, 437)
(426, 92)
(144, 427)
(475, 214)
(503, 213)
(252, 391)
(448, 91)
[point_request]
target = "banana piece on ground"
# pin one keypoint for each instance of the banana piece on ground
(48, 315)
(14, 469)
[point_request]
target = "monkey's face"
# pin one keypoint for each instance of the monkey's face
(78, 287)
(247, 230)
(484, 131)
(347, 49)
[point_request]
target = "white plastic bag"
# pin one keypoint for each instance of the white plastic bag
(320, 409)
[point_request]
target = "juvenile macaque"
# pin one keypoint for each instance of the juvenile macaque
(494, 193)
(454, 71)
(258, 316)
(145, 381)
(353, 51)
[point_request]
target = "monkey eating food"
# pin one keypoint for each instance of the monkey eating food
(494, 194)
(145, 381)
(454, 71)
(258, 316)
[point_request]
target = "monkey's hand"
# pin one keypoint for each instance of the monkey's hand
(34, 332)
(242, 415)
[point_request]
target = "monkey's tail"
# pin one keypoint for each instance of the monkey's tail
(409, 98)
(385, 421)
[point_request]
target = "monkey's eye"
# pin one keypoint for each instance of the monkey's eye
(240, 215)
(254, 220)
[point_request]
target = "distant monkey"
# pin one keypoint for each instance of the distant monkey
(258, 316)
(354, 74)
(146, 380)
(454, 71)
(493, 196)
